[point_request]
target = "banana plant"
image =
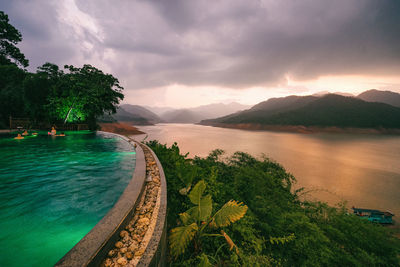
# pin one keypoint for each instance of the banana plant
(198, 221)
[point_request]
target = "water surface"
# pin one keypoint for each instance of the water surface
(362, 169)
(53, 190)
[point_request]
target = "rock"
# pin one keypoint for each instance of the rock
(126, 239)
(123, 261)
(133, 247)
(107, 262)
(129, 255)
(123, 250)
(119, 244)
(123, 234)
(143, 221)
(111, 253)
(139, 252)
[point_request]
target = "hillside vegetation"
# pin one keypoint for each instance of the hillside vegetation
(278, 229)
(329, 110)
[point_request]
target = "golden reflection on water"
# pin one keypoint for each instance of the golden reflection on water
(363, 170)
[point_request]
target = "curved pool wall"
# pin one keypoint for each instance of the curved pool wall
(93, 248)
(54, 190)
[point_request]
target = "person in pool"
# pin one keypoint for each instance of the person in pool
(53, 131)
(19, 137)
(25, 132)
(62, 134)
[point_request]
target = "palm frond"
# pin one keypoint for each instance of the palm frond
(231, 212)
(186, 218)
(230, 242)
(197, 192)
(180, 237)
(203, 210)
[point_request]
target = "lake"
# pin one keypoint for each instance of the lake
(362, 169)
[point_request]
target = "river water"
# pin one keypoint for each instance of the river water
(361, 169)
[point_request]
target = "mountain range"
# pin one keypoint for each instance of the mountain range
(326, 110)
(370, 109)
(197, 114)
(151, 115)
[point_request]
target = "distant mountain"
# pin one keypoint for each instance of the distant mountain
(124, 116)
(196, 114)
(268, 108)
(159, 110)
(219, 109)
(322, 93)
(140, 111)
(182, 116)
(387, 97)
(329, 110)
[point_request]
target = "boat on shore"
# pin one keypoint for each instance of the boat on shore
(377, 216)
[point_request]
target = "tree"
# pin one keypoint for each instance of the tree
(11, 93)
(9, 38)
(83, 94)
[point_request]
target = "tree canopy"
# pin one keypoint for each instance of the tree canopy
(9, 38)
(51, 95)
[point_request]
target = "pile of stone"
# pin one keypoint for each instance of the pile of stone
(133, 240)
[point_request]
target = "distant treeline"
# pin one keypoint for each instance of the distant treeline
(51, 94)
(278, 229)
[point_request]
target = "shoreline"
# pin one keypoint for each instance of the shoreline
(120, 128)
(303, 129)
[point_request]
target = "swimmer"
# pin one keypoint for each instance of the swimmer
(53, 131)
(19, 137)
(25, 132)
(35, 134)
(62, 134)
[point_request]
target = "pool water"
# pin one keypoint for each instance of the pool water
(53, 191)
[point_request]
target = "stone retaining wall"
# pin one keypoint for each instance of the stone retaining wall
(133, 232)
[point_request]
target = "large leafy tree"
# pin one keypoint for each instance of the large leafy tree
(9, 38)
(11, 93)
(11, 77)
(83, 94)
(37, 89)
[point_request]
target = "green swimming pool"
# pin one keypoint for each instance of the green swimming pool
(53, 190)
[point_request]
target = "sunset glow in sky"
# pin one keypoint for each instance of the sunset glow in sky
(187, 53)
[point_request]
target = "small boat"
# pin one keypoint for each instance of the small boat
(383, 217)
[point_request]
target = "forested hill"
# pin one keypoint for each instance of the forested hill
(387, 97)
(329, 110)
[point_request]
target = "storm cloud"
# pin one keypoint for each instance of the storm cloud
(231, 43)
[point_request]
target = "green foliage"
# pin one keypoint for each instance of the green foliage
(278, 229)
(180, 238)
(9, 38)
(229, 213)
(197, 221)
(82, 93)
(51, 95)
(282, 240)
(11, 92)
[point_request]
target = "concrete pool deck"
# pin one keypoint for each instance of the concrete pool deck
(94, 248)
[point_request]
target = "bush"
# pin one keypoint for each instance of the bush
(278, 229)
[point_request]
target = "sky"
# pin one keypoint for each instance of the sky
(184, 53)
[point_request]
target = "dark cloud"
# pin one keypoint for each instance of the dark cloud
(235, 44)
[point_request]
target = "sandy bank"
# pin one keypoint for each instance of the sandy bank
(120, 128)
